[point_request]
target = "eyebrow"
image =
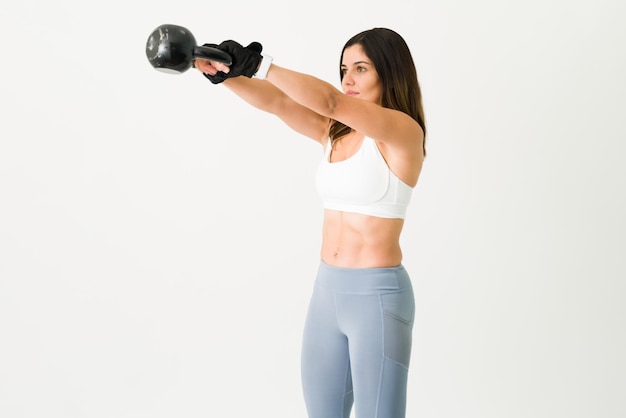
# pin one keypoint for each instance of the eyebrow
(357, 62)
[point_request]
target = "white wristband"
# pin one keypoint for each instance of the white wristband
(261, 73)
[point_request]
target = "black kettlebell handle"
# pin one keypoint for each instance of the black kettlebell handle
(172, 49)
(210, 53)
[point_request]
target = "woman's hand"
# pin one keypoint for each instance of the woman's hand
(210, 67)
(215, 71)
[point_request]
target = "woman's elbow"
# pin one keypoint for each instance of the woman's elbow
(329, 105)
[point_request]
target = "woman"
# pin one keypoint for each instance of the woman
(357, 338)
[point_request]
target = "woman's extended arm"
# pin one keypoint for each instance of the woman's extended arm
(268, 98)
(392, 127)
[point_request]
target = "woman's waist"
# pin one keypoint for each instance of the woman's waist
(351, 256)
(345, 249)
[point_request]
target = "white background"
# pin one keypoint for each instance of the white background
(159, 238)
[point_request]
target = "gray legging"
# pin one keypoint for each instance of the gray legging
(357, 342)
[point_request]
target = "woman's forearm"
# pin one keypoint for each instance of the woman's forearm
(258, 93)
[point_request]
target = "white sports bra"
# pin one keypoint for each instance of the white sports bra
(362, 184)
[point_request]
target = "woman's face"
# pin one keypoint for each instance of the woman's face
(360, 78)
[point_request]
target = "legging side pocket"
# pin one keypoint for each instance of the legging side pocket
(399, 311)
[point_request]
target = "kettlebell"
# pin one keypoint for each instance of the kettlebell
(172, 49)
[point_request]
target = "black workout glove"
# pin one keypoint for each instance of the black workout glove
(245, 60)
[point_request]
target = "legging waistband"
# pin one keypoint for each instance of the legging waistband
(362, 280)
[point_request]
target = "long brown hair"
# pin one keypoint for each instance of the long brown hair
(394, 64)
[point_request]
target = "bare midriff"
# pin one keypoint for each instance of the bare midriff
(354, 240)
